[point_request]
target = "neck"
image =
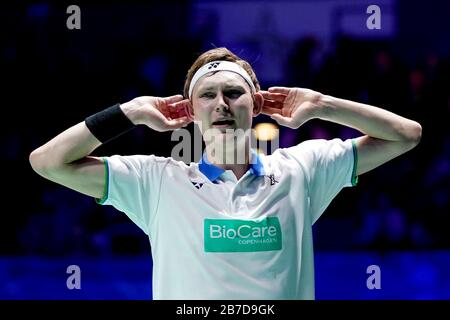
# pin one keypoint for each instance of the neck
(236, 159)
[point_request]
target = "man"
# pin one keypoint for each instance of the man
(222, 229)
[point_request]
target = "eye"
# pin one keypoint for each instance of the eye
(234, 93)
(207, 95)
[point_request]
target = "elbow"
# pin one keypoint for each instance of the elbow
(33, 159)
(37, 161)
(414, 134)
(417, 133)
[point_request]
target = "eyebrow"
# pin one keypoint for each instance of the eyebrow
(227, 87)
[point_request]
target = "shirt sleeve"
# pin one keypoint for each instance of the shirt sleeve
(132, 186)
(329, 165)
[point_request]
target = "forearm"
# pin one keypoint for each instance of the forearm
(71, 145)
(370, 120)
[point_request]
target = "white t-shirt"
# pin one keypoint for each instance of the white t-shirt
(214, 237)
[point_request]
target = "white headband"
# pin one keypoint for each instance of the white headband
(220, 66)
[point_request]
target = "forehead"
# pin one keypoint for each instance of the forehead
(220, 79)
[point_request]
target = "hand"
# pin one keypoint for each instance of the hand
(160, 114)
(291, 107)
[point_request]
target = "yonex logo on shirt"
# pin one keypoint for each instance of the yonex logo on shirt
(272, 179)
(228, 235)
(198, 185)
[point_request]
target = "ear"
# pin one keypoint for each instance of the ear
(258, 101)
(190, 109)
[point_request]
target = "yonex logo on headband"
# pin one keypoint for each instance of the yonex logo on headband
(213, 65)
(221, 66)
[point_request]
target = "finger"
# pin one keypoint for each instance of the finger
(280, 97)
(164, 109)
(273, 104)
(283, 90)
(174, 111)
(284, 121)
(187, 106)
(173, 99)
(269, 110)
(179, 114)
(264, 93)
(181, 105)
(177, 103)
(177, 123)
(182, 113)
(181, 108)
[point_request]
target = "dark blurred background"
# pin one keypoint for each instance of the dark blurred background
(53, 77)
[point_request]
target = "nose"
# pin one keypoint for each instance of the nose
(222, 106)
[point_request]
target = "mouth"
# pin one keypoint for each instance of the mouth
(223, 123)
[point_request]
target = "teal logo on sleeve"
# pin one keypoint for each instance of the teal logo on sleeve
(229, 235)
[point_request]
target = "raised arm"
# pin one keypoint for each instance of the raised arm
(387, 135)
(65, 158)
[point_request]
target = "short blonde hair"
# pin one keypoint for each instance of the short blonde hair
(218, 54)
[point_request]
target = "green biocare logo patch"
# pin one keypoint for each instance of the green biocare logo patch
(230, 235)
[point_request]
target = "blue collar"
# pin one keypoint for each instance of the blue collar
(212, 172)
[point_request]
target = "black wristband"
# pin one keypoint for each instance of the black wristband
(109, 123)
